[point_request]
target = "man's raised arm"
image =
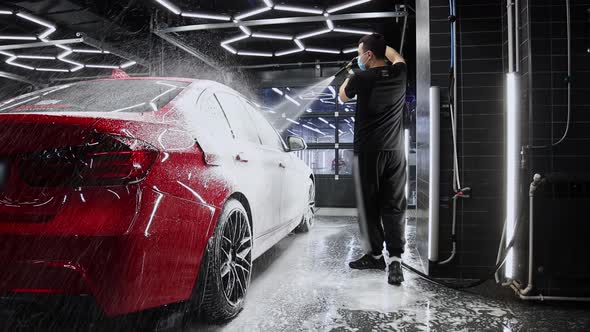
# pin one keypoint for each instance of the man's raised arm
(393, 56)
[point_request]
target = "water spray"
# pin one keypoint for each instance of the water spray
(302, 105)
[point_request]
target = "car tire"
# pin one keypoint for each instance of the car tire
(307, 218)
(228, 265)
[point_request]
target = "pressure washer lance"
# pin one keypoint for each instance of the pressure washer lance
(346, 67)
(360, 205)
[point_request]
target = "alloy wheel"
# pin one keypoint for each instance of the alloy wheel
(236, 248)
(310, 211)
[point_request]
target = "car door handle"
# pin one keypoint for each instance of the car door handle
(241, 157)
(282, 165)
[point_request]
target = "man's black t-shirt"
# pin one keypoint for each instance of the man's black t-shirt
(381, 94)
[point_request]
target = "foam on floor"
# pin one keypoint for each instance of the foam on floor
(304, 284)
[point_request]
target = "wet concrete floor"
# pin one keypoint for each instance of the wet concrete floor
(304, 284)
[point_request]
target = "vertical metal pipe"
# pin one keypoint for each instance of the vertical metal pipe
(531, 232)
(517, 33)
(509, 11)
(455, 80)
(401, 46)
(360, 205)
(530, 117)
(434, 174)
(532, 191)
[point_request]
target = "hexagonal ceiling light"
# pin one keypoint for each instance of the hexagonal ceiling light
(297, 39)
(50, 28)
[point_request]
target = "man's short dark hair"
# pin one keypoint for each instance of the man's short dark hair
(374, 43)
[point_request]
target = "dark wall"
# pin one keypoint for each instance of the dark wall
(335, 193)
(482, 64)
(548, 107)
(480, 78)
(545, 107)
(480, 136)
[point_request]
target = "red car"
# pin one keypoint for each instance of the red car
(128, 189)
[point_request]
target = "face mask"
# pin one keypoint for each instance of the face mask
(362, 65)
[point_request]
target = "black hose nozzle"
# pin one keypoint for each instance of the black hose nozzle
(345, 67)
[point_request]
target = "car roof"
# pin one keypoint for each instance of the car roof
(194, 83)
(146, 78)
(199, 83)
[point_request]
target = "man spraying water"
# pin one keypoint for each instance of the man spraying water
(380, 163)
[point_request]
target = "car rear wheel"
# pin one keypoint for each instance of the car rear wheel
(307, 218)
(229, 264)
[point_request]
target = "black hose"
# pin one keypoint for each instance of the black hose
(472, 284)
(475, 283)
(568, 81)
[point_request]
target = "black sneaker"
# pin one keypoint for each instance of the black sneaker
(395, 275)
(368, 262)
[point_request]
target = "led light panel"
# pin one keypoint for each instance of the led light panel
(207, 16)
(50, 28)
(295, 50)
(298, 9)
(268, 6)
(253, 12)
(322, 50)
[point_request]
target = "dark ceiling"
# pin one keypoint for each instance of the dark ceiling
(126, 25)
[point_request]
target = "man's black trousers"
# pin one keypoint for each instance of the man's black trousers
(383, 182)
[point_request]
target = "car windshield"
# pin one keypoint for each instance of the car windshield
(98, 96)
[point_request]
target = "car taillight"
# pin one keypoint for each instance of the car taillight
(103, 160)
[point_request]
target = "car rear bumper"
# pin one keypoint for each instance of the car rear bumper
(154, 263)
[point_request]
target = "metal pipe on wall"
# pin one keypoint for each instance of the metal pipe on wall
(532, 190)
(292, 64)
(568, 80)
(517, 35)
(509, 9)
(547, 298)
(453, 115)
(569, 72)
(456, 176)
(434, 174)
(554, 298)
(401, 46)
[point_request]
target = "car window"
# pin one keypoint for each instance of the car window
(207, 122)
(211, 121)
(98, 96)
(239, 118)
(267, 133)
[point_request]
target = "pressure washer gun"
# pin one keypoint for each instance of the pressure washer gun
(346, 67)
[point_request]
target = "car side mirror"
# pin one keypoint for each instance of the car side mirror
(296, 143)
